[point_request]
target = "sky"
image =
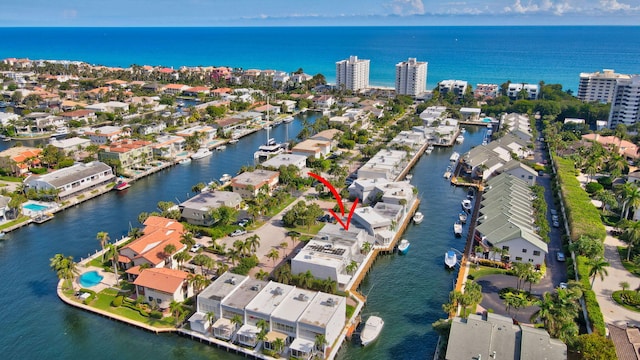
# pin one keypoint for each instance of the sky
(143, 13)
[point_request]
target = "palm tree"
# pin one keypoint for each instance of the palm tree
(176, 310)
(202, 260)
(283, 246)
(263, 325)
(237, 321)
(283, 274)
(273, 255)
(598, 267)
(262, 275)
(64, 267)
(546, 312)
(210, 316)
(294, 236)
(197, 281)
(234, 256)
(366, 247)
(103, 238)
(353, 265)
(631, 236)
(181, 257)
(112, 254)
(305, 279)
(135, 233)
(221, 268)
(253, 242)
(320, 342)
(187, 239)
(167, 251)
(278, 345)
(624, 285)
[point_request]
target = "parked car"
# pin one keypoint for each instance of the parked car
(196, 247)
(238, 232)
(556, 224)
(554, 218)
(554, 212)
(560, 256)
(563, 285)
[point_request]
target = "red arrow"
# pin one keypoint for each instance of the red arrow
(336, 195)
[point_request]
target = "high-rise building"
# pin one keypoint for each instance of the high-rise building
(411, 77)
(352, 74)
(625, 107)
(598, 86)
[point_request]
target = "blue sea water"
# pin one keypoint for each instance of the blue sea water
(554, 54)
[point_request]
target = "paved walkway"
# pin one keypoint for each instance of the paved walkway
(612, 312)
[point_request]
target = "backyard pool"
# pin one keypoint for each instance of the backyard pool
(91, 278)
(35, 207)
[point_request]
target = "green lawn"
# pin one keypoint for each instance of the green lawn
(314, 229)
(11, 179)
(476, 272)
(629, 265)
(19, 220)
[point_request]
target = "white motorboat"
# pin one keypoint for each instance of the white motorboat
(462, 217)
(418, 217)
(457, 228)
(203, 152)
(224, 178)
(221, 148)
(460, 139)
(403, 246)
(233, 141)
(372, 329)
(454, 157)
(270, 148)
(287, 119)
(185, 161)
(466, 205)
(450, 259)
(463, 130)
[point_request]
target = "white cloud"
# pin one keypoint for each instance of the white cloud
(543, 6)
(407, 7)
(614, 5)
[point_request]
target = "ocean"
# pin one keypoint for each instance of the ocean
(553, 54)
(406, 291)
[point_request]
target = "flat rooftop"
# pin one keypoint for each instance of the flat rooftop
(321, 309)
(269, 298)
(244, 294)
(294, 304)
(222, 286)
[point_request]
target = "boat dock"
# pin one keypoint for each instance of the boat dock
(464, 261)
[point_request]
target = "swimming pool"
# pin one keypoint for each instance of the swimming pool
(91, 278)
(35, 207)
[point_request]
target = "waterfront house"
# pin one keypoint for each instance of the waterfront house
(288, 106)
(153, 128)
(284, 319)
(106, 134)
(265, 302)
(197, 90)
(208, 132)
(175, 89)
(4, 207)
(84, 115)
(299, 161)
(17, 160)
(268, 109)
(132, 154)
(70, 144)
(158, 232)
(235, 303)
(343, 121)
(167, 146)
(197, 210)
(160, 286)
(323, 102)
(517, 124)
(386, 164)
(506, 221)
(230, 124)
(312, 148)
(531, 90)
(493, 336)
(470, 114)
(457, 87)
(41, 122)
(365, 189)
(519, 170)
(210, 300)
(249, 183)
(326, 316)
(328, 135)
(73, 180)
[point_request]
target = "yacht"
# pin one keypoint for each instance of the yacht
(221, 148)
(287, 119)
(270, 148)
(233, 141)
(185, 161)
(418, 217)
(454, 157)
(224, 178)
(372, 329)
(460, 139)
(466, 205)
(203, 152)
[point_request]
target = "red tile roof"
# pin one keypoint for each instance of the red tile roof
(158, 233)
(161, 279)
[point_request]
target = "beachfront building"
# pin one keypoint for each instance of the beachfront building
(352, 74)
(132, 154)
(299, 161)
(457, 87)
(515, 90)
(486, 91)
(312, 148)
(599, 86)
(17, 160)
(160, 286)
(492, 336)
(506, 222)
(250, 183)
(625, 107)
(197, 210)
(148, 249)
(72, 180)
(411, 77)
(106, 134)
(386, 164)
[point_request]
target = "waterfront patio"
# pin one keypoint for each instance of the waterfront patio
(301, 348)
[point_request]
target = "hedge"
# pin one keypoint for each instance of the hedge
(593, 308)
(582, 216)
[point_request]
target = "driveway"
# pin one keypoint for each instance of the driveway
(492, 284)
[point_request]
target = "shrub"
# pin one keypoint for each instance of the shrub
(606, 182)
(117, 301)
(88, 300)
(245, 265)
(593, 187)
(155, 314)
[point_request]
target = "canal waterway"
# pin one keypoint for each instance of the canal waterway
(407, 291)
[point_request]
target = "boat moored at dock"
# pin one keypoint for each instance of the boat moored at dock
(418, 217)
(462, 217)
(457, 228)
(466, 205)
(403, 246)
(203, 152)
(450, 259)
(454, 157)
(371, 331)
